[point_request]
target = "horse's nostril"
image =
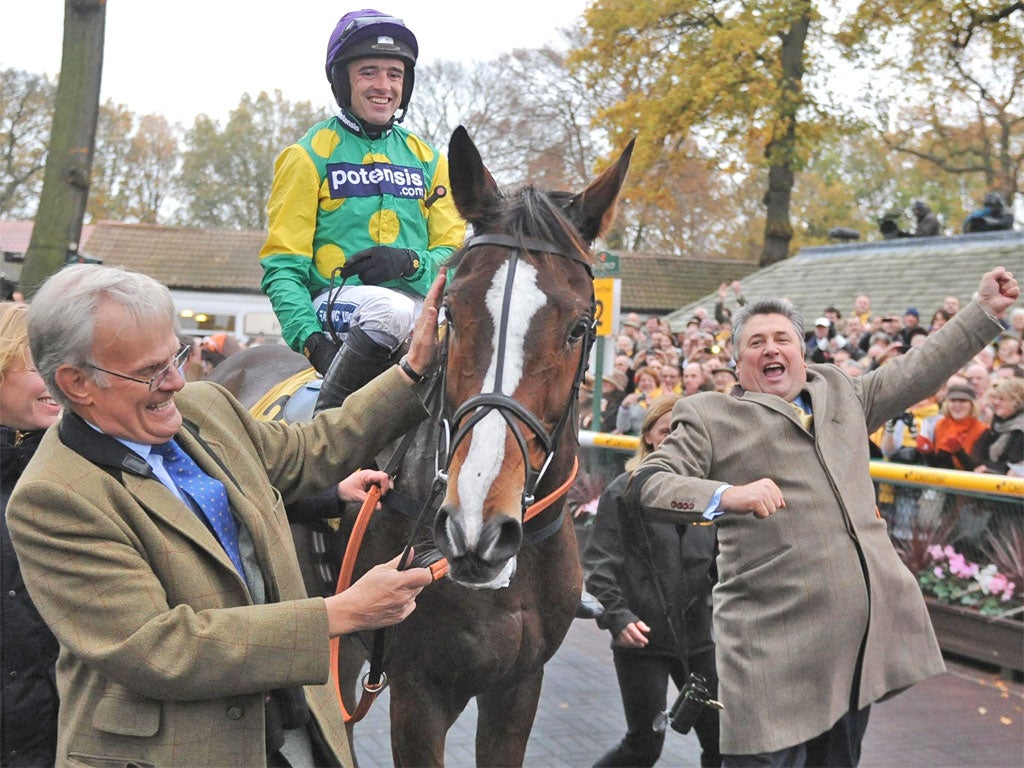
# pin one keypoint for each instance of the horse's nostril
(448, 534)
(500, 539)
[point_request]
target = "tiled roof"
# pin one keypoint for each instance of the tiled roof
(895, 274)
(182, 257)
(659, 284)
(15, 235)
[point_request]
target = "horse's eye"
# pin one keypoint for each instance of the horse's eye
(578, 331)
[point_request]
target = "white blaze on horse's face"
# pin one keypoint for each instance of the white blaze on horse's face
(487, 446)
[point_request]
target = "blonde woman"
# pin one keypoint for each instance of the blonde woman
(653, 581)
(1000, 450)
(28, 722)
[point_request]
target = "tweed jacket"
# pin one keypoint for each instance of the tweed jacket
(165, 660)
(816, 590)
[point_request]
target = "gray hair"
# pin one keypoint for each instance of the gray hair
(769, 306)
(62, 316)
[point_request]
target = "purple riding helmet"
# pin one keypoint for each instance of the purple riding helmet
(364, 34)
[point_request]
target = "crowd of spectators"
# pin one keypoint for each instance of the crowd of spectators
(653, 360)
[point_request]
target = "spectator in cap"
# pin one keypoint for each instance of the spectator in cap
(911, 320)
(613, 389)
(216, 349)
(724, 379)
(819, 342)
(951, 440)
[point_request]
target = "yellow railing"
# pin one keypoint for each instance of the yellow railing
(882, 471)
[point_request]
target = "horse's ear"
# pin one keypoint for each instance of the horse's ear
(593, 209)
(473, 188)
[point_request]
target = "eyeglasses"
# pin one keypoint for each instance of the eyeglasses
(160, 377)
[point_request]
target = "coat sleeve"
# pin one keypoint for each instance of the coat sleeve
(306, 458)
(673, 483)
(287, 255)
(603, 562)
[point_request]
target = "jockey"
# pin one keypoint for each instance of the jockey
(359, 217)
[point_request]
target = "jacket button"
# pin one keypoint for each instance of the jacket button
(12, 593)
(235, 713)
(13, 675)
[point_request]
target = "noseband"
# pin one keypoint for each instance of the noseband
(475, 408)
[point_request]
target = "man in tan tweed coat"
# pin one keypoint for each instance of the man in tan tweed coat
(815, 617)
(171, 655)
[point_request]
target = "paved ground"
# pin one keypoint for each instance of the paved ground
(966, 718)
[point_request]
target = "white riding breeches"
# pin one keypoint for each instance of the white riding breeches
(387, 316)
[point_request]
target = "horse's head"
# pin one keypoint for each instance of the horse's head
(520, 308)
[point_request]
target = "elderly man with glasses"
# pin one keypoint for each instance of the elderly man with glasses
(151, 530)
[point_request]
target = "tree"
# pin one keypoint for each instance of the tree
(110, 169)
(26, 111)
(153, 157)
(226, 174)
(956, 100)
(699, 73)
(527, 113)
(58, 223)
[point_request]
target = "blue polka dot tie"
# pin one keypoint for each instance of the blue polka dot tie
(207, 495)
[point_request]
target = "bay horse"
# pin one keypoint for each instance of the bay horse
(520, 316)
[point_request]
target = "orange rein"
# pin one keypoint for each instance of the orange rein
(437, 570)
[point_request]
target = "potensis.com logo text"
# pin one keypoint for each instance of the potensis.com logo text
(351, 180)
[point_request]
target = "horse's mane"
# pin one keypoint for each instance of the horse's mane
(528, 212)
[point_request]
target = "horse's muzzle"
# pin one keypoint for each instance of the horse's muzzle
(479, 559)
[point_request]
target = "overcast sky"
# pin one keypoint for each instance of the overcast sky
(186, 57)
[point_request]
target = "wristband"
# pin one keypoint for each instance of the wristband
(417, 378)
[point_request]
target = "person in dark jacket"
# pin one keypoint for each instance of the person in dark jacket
(28, 651)
(927, 222)
(654, 582)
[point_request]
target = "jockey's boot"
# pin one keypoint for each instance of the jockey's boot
(360, 360)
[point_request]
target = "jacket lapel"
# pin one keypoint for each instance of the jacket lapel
(137, 477)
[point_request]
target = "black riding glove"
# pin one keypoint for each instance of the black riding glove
(321, 351)
(381, 264)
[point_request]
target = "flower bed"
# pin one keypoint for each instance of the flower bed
(965, 632)
(953, 580)
(976, 611)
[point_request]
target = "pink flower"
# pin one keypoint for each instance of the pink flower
(936, 553)
(948, 551)
(939, 573)
(959, 566)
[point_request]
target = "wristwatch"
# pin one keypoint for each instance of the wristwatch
(418, 378)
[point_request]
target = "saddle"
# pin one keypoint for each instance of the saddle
(292, 400)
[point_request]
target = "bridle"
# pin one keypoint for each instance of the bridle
(462, 421)
(456, 426)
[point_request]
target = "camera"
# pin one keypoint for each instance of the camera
(907, 419)
(688, 706)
